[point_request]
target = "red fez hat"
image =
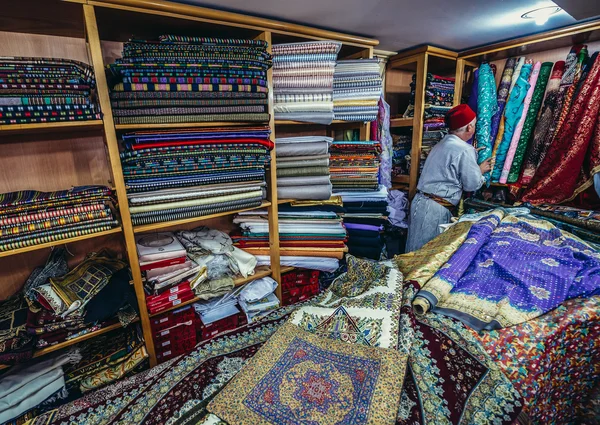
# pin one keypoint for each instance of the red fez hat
(459, 116)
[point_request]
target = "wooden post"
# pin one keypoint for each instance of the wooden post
(112, 145)
(273, 209)
(417, 138)
(458, 83)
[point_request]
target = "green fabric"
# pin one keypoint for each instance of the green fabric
(530, 119)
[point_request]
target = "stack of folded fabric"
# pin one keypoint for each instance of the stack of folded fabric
(30, 217)
(364, 218)
(354, 166)
(303, 167)
(303, 80)
(29, 388)
(439, 98)
(310, 236)
(258, 298)
(357, 87)
(429, 140)
(37, 90)
(191, 79)
(401, 155)
(172, 175)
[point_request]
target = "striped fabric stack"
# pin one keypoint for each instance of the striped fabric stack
(38, 90)
(303, 167)
(354, 166)
(191, 79)
(178, 174)
(303, 81)
(357, 87)
(30, 217)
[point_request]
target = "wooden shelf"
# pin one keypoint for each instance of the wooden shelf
(285, 269)
(54, 127)
(401, 122)
(164, 224)
(259, 272)
(285, 201)
(59, 242)
(52, 348)
(132, 127)
(404, 179)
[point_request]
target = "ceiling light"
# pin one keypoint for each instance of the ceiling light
(541, 15)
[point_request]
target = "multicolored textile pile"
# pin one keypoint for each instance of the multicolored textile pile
(303, 167)
(30, 217)
(177, 174)
(313, 236)
(37, 90)
(354, 166)
(439, 98)
(303, 80)
(179, 79)
(357, 87)
(401, 154)
(57, 305)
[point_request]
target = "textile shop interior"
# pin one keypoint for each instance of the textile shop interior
(299, 213)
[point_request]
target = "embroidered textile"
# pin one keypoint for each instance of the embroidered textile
(487, 106)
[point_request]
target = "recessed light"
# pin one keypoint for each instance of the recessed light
(541, 15)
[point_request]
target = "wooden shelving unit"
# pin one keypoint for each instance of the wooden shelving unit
(399, 71)
(54, 156)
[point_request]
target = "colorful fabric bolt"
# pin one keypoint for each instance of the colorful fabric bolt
(487, 106)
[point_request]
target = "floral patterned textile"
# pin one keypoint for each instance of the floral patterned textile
(512, 269)
(360, 276)
(298, 377)
(554, 360)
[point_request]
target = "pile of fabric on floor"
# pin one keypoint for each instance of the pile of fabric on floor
(178, 79)
(303, 80)
(57, 305)
(364, 219)
(303, 167)
(354, 166)
(357, 87)
(311, 235)
(178, 174)
(38, 90)
(31, 217)
(540, 127)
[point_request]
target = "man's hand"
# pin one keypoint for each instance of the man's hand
(486, 166)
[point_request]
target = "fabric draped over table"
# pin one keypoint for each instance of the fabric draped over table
(574, 156)
(512, 115)
(482, 284)
(514, 142)
(487, 107)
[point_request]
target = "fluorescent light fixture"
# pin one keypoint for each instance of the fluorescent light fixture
(541, 15)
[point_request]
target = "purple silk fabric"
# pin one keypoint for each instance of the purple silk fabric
(530, 264)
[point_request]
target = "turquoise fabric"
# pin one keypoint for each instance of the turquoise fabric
(487, 106)
(512, 115)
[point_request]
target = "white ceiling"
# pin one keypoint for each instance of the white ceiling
(400, 24)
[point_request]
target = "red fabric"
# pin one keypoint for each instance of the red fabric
(264, 142)
(459, 116)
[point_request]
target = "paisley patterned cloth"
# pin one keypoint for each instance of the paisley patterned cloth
(512, 115)
(484, 286)
(514, 143)
(359, 277)
(487, 106)
(570, 164)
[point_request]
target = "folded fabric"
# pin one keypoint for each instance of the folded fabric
(313, 191)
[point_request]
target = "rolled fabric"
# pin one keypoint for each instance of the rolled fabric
(503, 91)
(529, 123)
(501, 127)
(303, 163)
(303, 181)
(537, 148)
(315, 192)
(487, 106)
(303, 171)
(514, 141)
(473, 98)
(512, 114)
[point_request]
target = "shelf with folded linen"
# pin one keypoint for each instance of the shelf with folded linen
(59, 306)
(47, 127)
(177, 176)
(191, 265)
(190, 80)
(31, 220)
(357, 87)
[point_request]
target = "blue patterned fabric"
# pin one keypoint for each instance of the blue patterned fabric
(487, 106)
